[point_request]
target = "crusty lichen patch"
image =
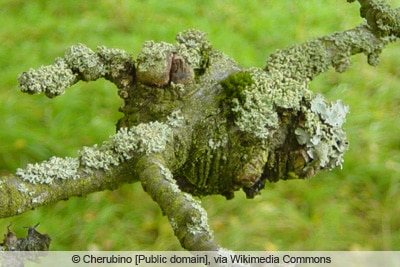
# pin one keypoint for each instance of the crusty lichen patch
(256, 101)
(260, 102)
(51, 80)
(78, 63)
(47, 171)
(145, 138)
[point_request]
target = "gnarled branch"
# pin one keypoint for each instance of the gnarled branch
(197, 124)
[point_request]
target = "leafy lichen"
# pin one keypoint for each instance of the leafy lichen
(114, 60)
(144, 138)
(198, 222)
(160, 64)
(154, 63)
(382, 19)
(78, 63)
(47, 171)
(194, 47)
(84, 61)
(98, 157)
(321, 132)
(51, 80)
(258, 96)
(333, 114)
(176, 119)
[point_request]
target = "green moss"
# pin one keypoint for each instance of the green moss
(233, 88)
(234, 85)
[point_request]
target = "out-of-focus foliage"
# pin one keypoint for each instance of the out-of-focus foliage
(354, 208)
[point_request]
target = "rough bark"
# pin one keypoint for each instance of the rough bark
(197, 124)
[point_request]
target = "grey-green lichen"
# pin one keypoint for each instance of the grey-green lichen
(78, 63)
(258, 105)
(322, 132)
(300, 62)
(114, 61)
(215, 143)
(194, 39)
(95, 157)
(166, 173)
(176, 119)
(306, 61)
(145, 138)
(23, 188)
(256, 112)
(84, 61)
(184, 212)
(154, 63)
(51, 80)
(47, 171)
(333, 114)
(193, 46)
(198, 223)
(383, 20)
(160, 64)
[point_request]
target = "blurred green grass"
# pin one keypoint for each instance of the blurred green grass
(357, 208)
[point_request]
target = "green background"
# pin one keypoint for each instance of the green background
(356, 208)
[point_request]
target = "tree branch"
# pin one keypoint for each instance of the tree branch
(186, 216)
(96, 169)
(197, 124)
(306, 61)
(79, 63)
(382, 19)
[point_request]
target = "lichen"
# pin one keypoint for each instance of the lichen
(217, 143)
(166, 173)
(259, 104)
(382, 19)
(176, 119)
(154, 63)
(51, 80)
(23, 188)
(78, 63)
(300, 62)
(46, 171)
(197, 46)
(333, 114)
(321, 132)
(160, 64)
(98, 157)
(185, 214)
(255, 103)
(85, 62)
(194, 47)
(193, 39)
(198, 222)
(114, 60)
(144, 138)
